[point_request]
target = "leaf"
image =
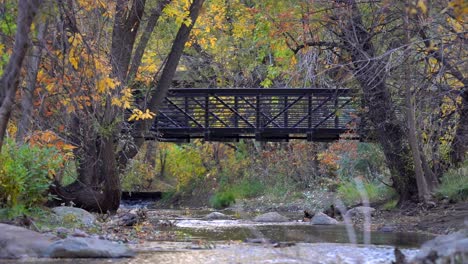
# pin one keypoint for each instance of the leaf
(423, 6)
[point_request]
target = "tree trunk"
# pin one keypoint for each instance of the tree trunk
(33, 62)
(460, 141)
(9, 82)
(369, 72)
(164, 82)
(98, 185)
(144, 39)
(423, 191)
(126, 24)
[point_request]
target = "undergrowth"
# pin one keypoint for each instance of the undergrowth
(454, 184)
(351, 194)
(26, 173)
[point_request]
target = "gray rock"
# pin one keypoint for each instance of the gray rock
(451, 248)
(216, 216)
(77, 214)
(79, 233)
(360, 211)
(128, 219)
(17, 242)
(323, 219)
(79, 247)
(271, 217)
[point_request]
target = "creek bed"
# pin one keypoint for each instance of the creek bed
(221, 241)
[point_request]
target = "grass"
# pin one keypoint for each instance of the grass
(350, 194)
(390, 204)
(248, 188)
(454, 184)
(222, 199)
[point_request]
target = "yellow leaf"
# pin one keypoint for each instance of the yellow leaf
(422, 5)
(73, 61)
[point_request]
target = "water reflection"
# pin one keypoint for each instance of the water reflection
(304, 233)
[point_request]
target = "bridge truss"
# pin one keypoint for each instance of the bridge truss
(228, 114)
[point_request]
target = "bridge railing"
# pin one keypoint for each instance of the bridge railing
(264, 114)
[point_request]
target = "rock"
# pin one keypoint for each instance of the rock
(78, 247)
(79, 233)
(323, 219)
(359, 212)
(216, 216)
(74, 214)
(17, 242)
(388, 229)
(451, 248)
(271, 217)
(127, 219)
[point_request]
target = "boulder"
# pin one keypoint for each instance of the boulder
(271, 217)
(451, 248)
(18, 242)
(74, 214)
(359, 212)
(323, 219)
(79, 247)
(216, 216)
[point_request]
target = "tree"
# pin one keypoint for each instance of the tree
(9, 81)
(98, 186)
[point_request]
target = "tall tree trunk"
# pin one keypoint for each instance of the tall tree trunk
(423, 189)
(98, 185)
(9, 82)
(33, 62)
(460, 141)
(144, 39)
(126, 24)
(369, 72)
(164, 82)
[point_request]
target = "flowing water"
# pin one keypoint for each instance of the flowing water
(222, 241)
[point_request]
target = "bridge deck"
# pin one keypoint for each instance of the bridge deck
(264, 114)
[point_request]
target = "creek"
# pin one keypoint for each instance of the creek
(223, 241)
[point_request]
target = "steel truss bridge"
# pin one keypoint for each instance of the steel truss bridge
(229, 114)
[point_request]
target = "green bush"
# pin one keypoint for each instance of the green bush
(222, 199)
(351, 194)
(26, 173)
(248, 188)
(455, 184)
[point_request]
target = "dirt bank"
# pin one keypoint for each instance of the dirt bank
(439, 218)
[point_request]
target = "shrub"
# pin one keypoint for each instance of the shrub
(26, 173)
(222, 199)
(351, 194)
(138, 176)
(248, 188)
(455, 184)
